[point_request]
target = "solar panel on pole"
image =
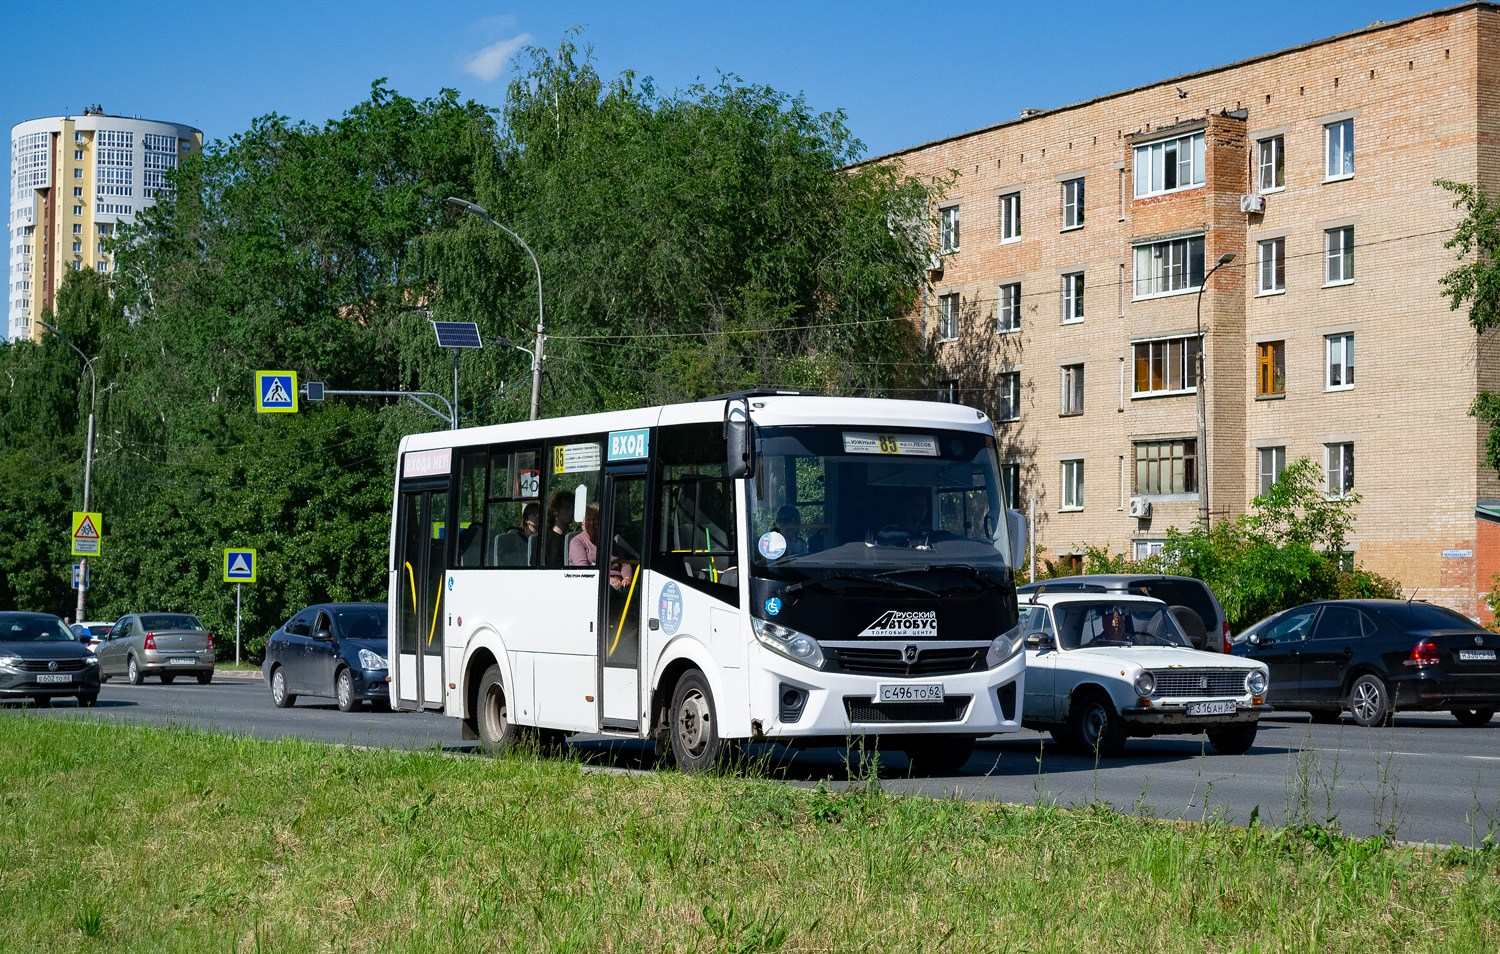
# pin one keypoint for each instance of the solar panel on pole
(457, 334)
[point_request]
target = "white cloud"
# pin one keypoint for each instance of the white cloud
(490, 62)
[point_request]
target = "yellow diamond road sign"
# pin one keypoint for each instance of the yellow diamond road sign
(88, 530)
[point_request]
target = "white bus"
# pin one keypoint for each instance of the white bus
(780, 567)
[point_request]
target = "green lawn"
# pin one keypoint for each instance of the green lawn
(140, 839)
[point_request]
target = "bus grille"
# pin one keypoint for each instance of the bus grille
(862, 709)
(881, 661)
(1198, 682)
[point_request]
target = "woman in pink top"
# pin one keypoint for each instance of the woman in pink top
(584, 549)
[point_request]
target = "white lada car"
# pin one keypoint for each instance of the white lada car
(1101, 668)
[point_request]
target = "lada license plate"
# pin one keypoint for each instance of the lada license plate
(181, 661)
(910, 692)
(55, 677)
(1210, 708)
(1477, 655)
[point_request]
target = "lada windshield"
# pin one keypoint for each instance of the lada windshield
(172, 621)
(862, 504)
(1086, 625)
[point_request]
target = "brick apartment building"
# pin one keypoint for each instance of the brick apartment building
(1076, 245)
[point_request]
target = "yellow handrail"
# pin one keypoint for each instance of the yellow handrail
(628, 597)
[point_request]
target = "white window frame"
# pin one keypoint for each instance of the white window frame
(1010, 484)
(1338, 461)
(1009, 392)
(1338, 248)
(1338, 151)
(1189, 368)
(947, 391)
(1073, 203)
(1338, 362)
(1153, 171)
(948, 232)
(1145, 549)
(949, 307)
(1010, 217)
(1270, 165)
(1071, 403)
(1272, 461)
(1008, 309)
(1168, 268)
(1272, 270)
(1072, 485)
(1072, 298)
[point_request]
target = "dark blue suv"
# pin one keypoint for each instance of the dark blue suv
(331, 649)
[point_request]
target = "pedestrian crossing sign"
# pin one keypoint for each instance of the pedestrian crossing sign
(239, 565)
(276, 392)
(88, 531)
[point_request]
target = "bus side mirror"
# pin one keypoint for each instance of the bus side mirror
(1015, 526)
(738, 451)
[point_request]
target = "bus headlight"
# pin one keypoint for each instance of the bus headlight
(1256, 683)
(788, 642)
(1004, 647)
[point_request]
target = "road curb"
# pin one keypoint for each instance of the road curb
(238, 674)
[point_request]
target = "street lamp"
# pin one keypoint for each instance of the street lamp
(507, 343)
(536, 356)
(1224, 259)
(88, 453)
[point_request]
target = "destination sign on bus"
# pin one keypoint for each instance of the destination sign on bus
(427, 463)
(575, 458)
(905, 445)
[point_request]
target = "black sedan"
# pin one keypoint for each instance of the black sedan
(41, 659)
(1374, 657)
(331, 649)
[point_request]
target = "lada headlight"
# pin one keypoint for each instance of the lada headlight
(1145, 683)
(1256, 682)
(371, 660)
(788, 642)
(1004, 647)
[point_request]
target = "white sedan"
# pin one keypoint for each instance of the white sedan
(1100, 669)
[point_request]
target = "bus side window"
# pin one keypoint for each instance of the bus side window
(571, 466)
(473, 470)
(695, 523)
(513, 515)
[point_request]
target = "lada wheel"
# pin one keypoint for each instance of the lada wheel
(167, 678)
(1233, 739)
(1369, 702)
(1095, 727)
(694, 729)
(204, 678)
(133, 674)
(496, 732)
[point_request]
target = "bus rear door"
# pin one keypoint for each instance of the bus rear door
(420, 541)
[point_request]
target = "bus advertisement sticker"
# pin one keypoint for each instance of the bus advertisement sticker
(669, 608)
(772, 545)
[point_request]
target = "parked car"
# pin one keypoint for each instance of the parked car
(1101, 667)
(1374, 657)
(1197, 609)
(166, 645)
(331, 649)
(90, 634)
(40, 658)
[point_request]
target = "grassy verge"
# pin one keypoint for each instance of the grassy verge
(119, 838)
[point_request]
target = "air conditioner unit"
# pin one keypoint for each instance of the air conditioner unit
(1254, 202)
(1140, 507)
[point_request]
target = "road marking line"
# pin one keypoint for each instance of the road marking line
(1487, 758)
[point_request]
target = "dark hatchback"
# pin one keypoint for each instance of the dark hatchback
(331, 649)
(1374, 657)
(40, 658)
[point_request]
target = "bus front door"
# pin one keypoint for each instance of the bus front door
(622, 592)
(418, 673)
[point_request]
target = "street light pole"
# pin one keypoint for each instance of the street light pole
(1224, 259)
(88, 455)
(536, 356)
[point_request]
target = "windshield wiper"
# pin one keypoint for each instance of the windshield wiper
(967, 569)
(878, 579)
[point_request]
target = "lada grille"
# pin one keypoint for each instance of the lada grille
(1198, 682)
(891, 661)
(862, 709)
(43, 665)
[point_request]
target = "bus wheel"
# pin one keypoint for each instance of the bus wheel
(695, 725)
(938, 754)
(496, 732)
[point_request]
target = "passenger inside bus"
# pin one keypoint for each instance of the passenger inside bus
(554, 538)
(789, 525)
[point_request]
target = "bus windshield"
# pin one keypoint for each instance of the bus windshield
(828, 497)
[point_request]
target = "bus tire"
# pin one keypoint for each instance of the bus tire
(938, 754)
(497, 734)
(694, 728)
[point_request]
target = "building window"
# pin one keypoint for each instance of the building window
(78, 155)
(77, 228)
(1169, 165)
(947, 391)
(948, 229)
(948, 318)
(1072, 389)
(1010, 485)
(1272, 463)
(1270, 164)
(1163, 268)
(78, 192)
(1340, 469)
(1010, 396)
(1072, 479)
(77, 173)
(77, 248)
(1072, 297)
(1272, 266)
(1145, 549)
(1270, 360)
(102, 267)
(1073, 204)
(101, 249)
(1166, 467)
(1010, 217)
(1340, 138)
(1165, 366)
(1008, 311)
(1340, 363)
(77, 210)
(1340, 245)
(104, 228)
(78, 137)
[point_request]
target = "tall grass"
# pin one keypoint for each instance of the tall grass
(119, 838)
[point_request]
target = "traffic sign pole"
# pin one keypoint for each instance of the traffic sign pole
(237, 623)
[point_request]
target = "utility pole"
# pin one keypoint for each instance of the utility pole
(88, 456)
(1203, 513)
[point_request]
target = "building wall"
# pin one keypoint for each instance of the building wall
(100, 171)
(1421, 94)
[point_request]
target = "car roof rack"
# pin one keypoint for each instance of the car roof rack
(761, 392)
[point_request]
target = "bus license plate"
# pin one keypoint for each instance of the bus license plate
(1210, 708)
(911, 692)
(55, 677)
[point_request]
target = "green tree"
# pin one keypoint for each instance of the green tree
(1475, 283)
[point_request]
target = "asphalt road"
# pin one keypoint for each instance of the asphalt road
(1427, 778)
